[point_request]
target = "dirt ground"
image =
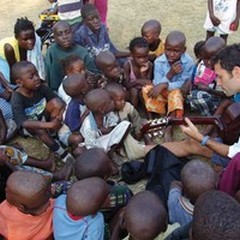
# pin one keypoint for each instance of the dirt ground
(125, 19)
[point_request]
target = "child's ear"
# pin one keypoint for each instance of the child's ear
(184, 50)
(22, 208)
(18, 82)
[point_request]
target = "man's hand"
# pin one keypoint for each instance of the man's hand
(191, 130)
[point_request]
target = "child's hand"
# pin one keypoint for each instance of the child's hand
(144, 68)
(202, 87)
(186, 88)
(215, 20)
(175, 69)
(156, 90)
(55, 124)
(234, 25)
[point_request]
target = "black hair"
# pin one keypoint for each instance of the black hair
(138, 42)
(228, 57)
(22, 24)
(88, 8)
(216, 216)
(198, 48)
(68, 61)
(16, 69)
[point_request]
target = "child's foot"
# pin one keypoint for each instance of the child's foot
(168, 134)
(50, 162)
(65, 172)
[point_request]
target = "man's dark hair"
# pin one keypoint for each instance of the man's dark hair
(229, 57)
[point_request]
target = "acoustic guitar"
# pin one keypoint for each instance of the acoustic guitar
(228, 124)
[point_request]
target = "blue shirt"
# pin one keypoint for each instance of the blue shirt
(66, 228)
(73, 115)
(162, 67)
(94, 42)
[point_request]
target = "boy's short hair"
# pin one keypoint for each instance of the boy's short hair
(228, 57)
(22, 24)
(145, 216)
(17, 67)
(197, 177)
(88, 8)
(153, 24)
(114, 88)
(216, 216)
(93, 162)
(86, 196)
(198, 48)
(138, 42)
(176, 36)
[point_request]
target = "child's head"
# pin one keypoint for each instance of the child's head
(108, 65)
(29, 192)
(175, 46)
(151, 31)
(197, 177)
(99, 101)
(62, 33)
(91, 17)
(93, 162)
(75, 85)
(118, 95)
(216, 216)
(55, 108)
(25, 74)
(145, 216)
(73, 64)
(198, 49)
(211, 47)
(139, 49)
(25, 34)
(86, 196)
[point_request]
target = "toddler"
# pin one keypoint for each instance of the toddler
(138, 69)
(76, 215)
(27, 211)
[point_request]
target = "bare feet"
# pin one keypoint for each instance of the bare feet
(65, 172)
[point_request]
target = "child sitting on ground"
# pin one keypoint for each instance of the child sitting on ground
(108, 65)
(101, 128)
(138, 69)
(171, 71)
(76, 87)
(145, 217)
(76, 215)
(27, 211)
(31, 103)
(151, 31)
(62, 48)
(204, 97)
(197, 177)
(93, 35)
(126, 110)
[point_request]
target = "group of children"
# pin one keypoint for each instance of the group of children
(84, 106)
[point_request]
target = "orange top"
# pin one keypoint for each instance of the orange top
(15, 225)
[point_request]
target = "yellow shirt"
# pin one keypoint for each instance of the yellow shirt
(159, 50)
(14, 43)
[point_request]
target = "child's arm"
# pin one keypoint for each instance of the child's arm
(9, 54)
(215, 20)
(128, 84)
(235, 23)
(206, 88)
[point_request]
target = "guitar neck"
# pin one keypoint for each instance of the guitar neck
(195, 120)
